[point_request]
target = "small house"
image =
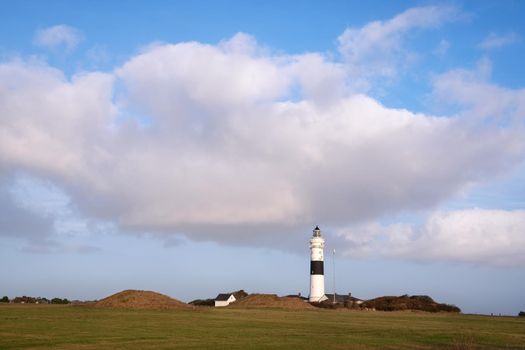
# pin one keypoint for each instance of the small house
(224, 299)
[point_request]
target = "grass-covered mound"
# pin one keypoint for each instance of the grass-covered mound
(141, 299)
(270, 301)
(405, 302)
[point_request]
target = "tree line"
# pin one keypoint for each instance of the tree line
(32, 300)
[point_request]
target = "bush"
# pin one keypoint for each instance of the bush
(521, 314)
(59, 301)
(327, 304)
(405, 302)
(203, 302)
(24, 300)
(240, 294)
(5, 299)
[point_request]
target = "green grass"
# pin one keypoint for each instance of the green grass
(82, 327)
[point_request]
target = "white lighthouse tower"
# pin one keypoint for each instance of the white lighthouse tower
(316, 267)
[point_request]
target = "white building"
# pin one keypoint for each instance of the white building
(224, 299)
(316, 267)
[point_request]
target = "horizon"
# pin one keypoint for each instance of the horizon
(191, 148)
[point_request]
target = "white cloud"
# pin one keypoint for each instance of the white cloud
(493, 41)
(59, 129)
(211, 76)
(57, 37)
(232, 142)
(222, 148)
(472, 91)
(377, 50)
(480, 236)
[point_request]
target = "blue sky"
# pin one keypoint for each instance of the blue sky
(190, 148)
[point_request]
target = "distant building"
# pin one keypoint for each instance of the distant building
(224, 299)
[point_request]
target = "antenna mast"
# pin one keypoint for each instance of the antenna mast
(333, 262)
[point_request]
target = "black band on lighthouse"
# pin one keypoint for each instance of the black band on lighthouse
(316, 268)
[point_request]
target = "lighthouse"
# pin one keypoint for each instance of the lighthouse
(316, 267)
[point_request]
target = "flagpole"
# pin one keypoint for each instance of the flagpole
(333, 262)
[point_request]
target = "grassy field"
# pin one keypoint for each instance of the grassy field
(82, 327)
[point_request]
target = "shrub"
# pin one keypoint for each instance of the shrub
(24, 299)
(405, 302)
(327, 304)
(59, 301)
(240, 294)
(5, 299)
(203, 302)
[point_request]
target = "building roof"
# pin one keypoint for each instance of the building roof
(223, 296)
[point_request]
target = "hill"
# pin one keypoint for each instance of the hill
(405, 302)
(141, 299)
(270, 301)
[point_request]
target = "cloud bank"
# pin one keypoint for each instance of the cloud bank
(476, 236)
(223, 142)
